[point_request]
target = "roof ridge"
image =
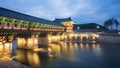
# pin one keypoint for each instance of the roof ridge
(22, 16)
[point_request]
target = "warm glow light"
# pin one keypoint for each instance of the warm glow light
(21, 42)
(81, 46)
(8, 47)
(1, 49)
(93, 37)
(94, 46)
(36, 58)
(97, 35)
(29, 43)
(39, 49)
(5, 51)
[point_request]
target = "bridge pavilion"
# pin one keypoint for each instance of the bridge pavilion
(18, 21)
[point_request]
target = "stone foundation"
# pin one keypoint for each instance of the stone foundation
(112, 39)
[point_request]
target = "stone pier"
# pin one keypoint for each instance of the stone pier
(44, 40)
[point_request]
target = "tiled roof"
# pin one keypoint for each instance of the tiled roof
(89, 26)
(62, 20)
(17, 15)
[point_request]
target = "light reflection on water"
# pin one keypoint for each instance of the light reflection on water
(64, 53)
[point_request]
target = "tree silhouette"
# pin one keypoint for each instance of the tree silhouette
(110, 22)
(116, 23)
(106, 24)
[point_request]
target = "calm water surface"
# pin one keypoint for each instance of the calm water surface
(73, 55)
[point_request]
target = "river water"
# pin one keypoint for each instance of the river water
(72, 55)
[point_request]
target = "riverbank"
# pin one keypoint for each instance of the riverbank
(11, 64)
(109, 38)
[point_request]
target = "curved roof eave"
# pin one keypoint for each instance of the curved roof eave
(17, 15)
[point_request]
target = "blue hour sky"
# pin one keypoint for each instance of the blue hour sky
(81, 11)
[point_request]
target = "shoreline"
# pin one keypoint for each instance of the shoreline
(109, 38)
(12, 64)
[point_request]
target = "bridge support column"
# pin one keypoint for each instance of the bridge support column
(44, 40)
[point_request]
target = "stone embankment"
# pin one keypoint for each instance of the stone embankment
(109, 38)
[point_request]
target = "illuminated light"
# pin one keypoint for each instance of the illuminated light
(81, 37)
(65, 44)
(36, 49)
(76, 46)
(70, 44)
(94, 46)
(1, 49)
(118, 32)
(78, 27)
(5, 50)
(97, 27)
(36, 41)
(21, 42)
(36, 58)
(65, 36)
(32, 42)
(97, 36)
(93, 37)
(81, 45)
(8, 45)
(49, 49)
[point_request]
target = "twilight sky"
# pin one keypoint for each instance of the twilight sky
(81, 11)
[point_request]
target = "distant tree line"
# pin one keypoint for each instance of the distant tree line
(110, 23)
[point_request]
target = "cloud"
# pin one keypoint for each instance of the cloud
(60, 9)
(54, 8)
(51, 9)
(40, 12)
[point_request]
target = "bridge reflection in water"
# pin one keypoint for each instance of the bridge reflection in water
(66, 51)
(47, 57)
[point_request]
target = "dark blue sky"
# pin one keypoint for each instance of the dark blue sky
(81, 11)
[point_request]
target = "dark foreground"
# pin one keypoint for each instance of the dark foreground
(11, 64)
